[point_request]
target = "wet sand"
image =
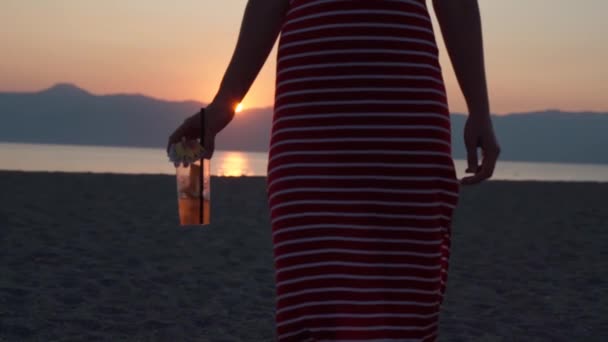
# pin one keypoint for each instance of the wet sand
(100, 257)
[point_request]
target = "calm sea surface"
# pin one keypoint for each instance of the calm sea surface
(70, 158)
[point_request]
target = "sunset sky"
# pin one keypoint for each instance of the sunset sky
(540, 54)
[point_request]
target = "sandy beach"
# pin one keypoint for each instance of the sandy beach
(100, 257)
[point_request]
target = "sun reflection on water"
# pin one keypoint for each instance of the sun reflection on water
(234, 164)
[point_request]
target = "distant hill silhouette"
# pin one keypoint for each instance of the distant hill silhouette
(66, 114)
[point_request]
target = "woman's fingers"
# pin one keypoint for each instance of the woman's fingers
(216, 119)
(488, 164)
(189, 129)
(472, 143)
(478, 133)
(472, 158)
(176, 136)
(483, 174)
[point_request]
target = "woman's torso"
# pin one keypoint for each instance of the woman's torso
(364, 64)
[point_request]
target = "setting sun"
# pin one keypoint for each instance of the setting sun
(239, 108)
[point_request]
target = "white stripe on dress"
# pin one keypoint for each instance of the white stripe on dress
(321, 2)
(362, 102)
(370, 189)
(356, 227)
(367, 328)
(359, 77)
(349, 315)
(356, 290)
(357, 251)
(386, 203)
(350, 139)
(359, 90)
(366, 214)
(360, 127)
(356, 302)
(287, 57)
(358, 38)
(387, 165)
(349, 12)
(358, 64)
(361, 115)
(357, 264)
(352, 239)
(358, 25)
(362, 152)
(361, 177)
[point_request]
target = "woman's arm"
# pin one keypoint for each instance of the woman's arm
(260, 28)
(460, 23)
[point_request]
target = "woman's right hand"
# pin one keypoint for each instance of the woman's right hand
(217, 116)
(479, 133)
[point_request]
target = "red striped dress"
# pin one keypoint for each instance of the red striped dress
(361, 182)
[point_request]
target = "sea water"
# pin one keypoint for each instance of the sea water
(131, 160)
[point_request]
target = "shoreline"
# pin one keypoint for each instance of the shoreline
(82, 173)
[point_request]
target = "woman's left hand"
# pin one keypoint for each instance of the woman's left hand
(216, 116)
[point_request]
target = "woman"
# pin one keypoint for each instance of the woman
(361, 182)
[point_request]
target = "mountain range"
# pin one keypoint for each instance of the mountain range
(67, 114)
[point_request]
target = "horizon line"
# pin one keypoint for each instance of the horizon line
(270, 106)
